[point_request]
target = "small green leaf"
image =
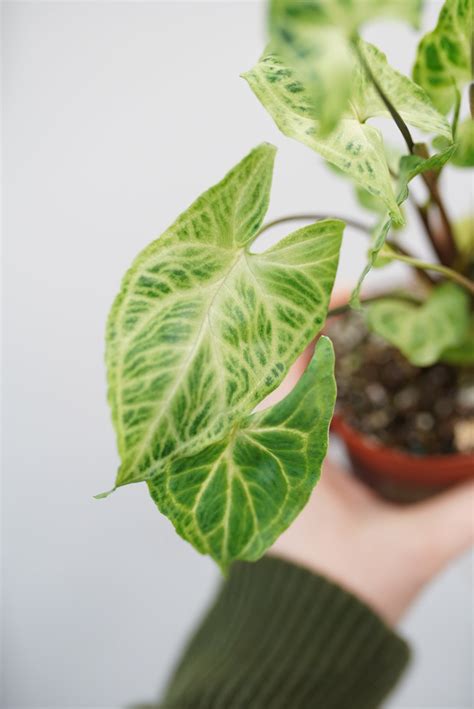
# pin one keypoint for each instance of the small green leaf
(354, 147)
(203, 328)
(411, 101)
(413, 165)
(444, 58)
(410, 167)
(423, 332)
(234, 498)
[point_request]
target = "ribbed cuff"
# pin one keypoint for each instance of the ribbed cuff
(279, 636)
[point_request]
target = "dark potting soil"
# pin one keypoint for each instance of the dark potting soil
(422, 410)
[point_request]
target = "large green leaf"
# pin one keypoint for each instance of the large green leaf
(411, 101)
(423, 332)
(354, 147)
(410, 167)
(233, 499)
(444, 57)
(203, 328)
(314, 37)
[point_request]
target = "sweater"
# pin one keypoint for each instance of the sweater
(280, 637)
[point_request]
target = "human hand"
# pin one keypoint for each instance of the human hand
(383, 553)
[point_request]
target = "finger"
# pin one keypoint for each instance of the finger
(445, 522)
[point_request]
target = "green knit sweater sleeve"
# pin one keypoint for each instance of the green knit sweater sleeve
(280, 637)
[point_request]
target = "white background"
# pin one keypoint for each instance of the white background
(117, 115)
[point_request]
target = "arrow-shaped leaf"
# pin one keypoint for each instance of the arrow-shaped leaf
(354, 147)
(235, 497)
(203, 328)
(411, 101)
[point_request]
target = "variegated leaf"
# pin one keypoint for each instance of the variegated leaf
(323, 59)
(354, 147)
(411, 101)
(314, 38)
(444, 57)
(347, 14)
(233, 499)
(203, 328)
(423, 332)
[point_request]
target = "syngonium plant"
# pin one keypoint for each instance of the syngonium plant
(204, 327)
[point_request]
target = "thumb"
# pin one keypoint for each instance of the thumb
(445, 523)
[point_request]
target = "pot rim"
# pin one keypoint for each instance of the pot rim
(397, 464)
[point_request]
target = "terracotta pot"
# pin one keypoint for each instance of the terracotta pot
(397, 475)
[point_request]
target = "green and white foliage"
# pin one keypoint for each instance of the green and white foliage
(366, 199)
(423, 332)
(348, 15)
(354, 146)
(444, 58)
(203, 329)
(410, 167)
(232, 499)
(411, 101)
(314, 38)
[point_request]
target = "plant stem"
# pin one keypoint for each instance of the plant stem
(364, 228)
(457, 107)
(315, 218)
(429, 231)
(401, 125)
(443, 241)
(341, 309)
(438, 268)
(443, 244)
(420, 271)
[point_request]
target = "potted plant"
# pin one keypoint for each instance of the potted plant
(204, 328)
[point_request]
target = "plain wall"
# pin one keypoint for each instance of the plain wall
(116, 116)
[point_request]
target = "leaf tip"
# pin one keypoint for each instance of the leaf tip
(103, 495)
(267, 148)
